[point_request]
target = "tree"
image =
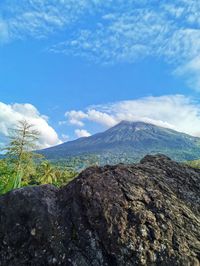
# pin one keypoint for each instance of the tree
(19, 168)
(23, 139)
(6, 173)
(47, 173)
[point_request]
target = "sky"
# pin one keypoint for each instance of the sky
(73, 68)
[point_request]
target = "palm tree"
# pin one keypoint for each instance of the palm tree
(48, 173)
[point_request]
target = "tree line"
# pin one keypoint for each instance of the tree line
(21, 166)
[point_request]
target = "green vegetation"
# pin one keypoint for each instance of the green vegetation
(194, 164)
(78, 163)
(23, 167)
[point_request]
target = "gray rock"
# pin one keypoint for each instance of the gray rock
(144, 214)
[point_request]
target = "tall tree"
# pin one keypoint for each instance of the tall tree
(23, 140)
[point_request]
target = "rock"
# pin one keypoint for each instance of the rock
(143, 214)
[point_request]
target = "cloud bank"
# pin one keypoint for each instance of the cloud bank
(10, 114)
(177, 112)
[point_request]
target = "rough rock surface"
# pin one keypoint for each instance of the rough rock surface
(144, 214)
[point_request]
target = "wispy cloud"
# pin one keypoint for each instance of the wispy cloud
(113, 31)
(192, 71)
(4, 34)
(129, 32)
(40, 18)
(119, 37)
(173, 111)
(129, 36)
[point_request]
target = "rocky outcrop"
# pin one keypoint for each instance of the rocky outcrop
(144, 214)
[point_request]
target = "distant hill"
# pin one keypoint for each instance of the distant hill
(129, 142)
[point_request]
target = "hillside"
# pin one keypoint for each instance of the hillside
(125, 215)
(129, 142)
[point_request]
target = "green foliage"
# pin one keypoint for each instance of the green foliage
(23, 167)
(43, 172)
(9, 179)
(194, 164)
(20, 158)
(77, 163)
(63, 177)
(23, 139)
(46, 174)
(56, 175)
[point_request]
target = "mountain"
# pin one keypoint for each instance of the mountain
(125, 215)
(129, 142)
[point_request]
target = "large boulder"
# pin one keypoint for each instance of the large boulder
(143, 214)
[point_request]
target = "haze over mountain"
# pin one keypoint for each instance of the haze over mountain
(130, 141)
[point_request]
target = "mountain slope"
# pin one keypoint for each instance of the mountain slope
(130, 141)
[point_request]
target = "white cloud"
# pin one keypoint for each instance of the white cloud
(75, 117)
(10, 114)
(173, 111)
(80, 133)
(100, 117)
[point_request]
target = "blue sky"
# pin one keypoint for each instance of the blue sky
(76, 67)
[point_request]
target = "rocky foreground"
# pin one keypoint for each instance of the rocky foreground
(144, 214)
